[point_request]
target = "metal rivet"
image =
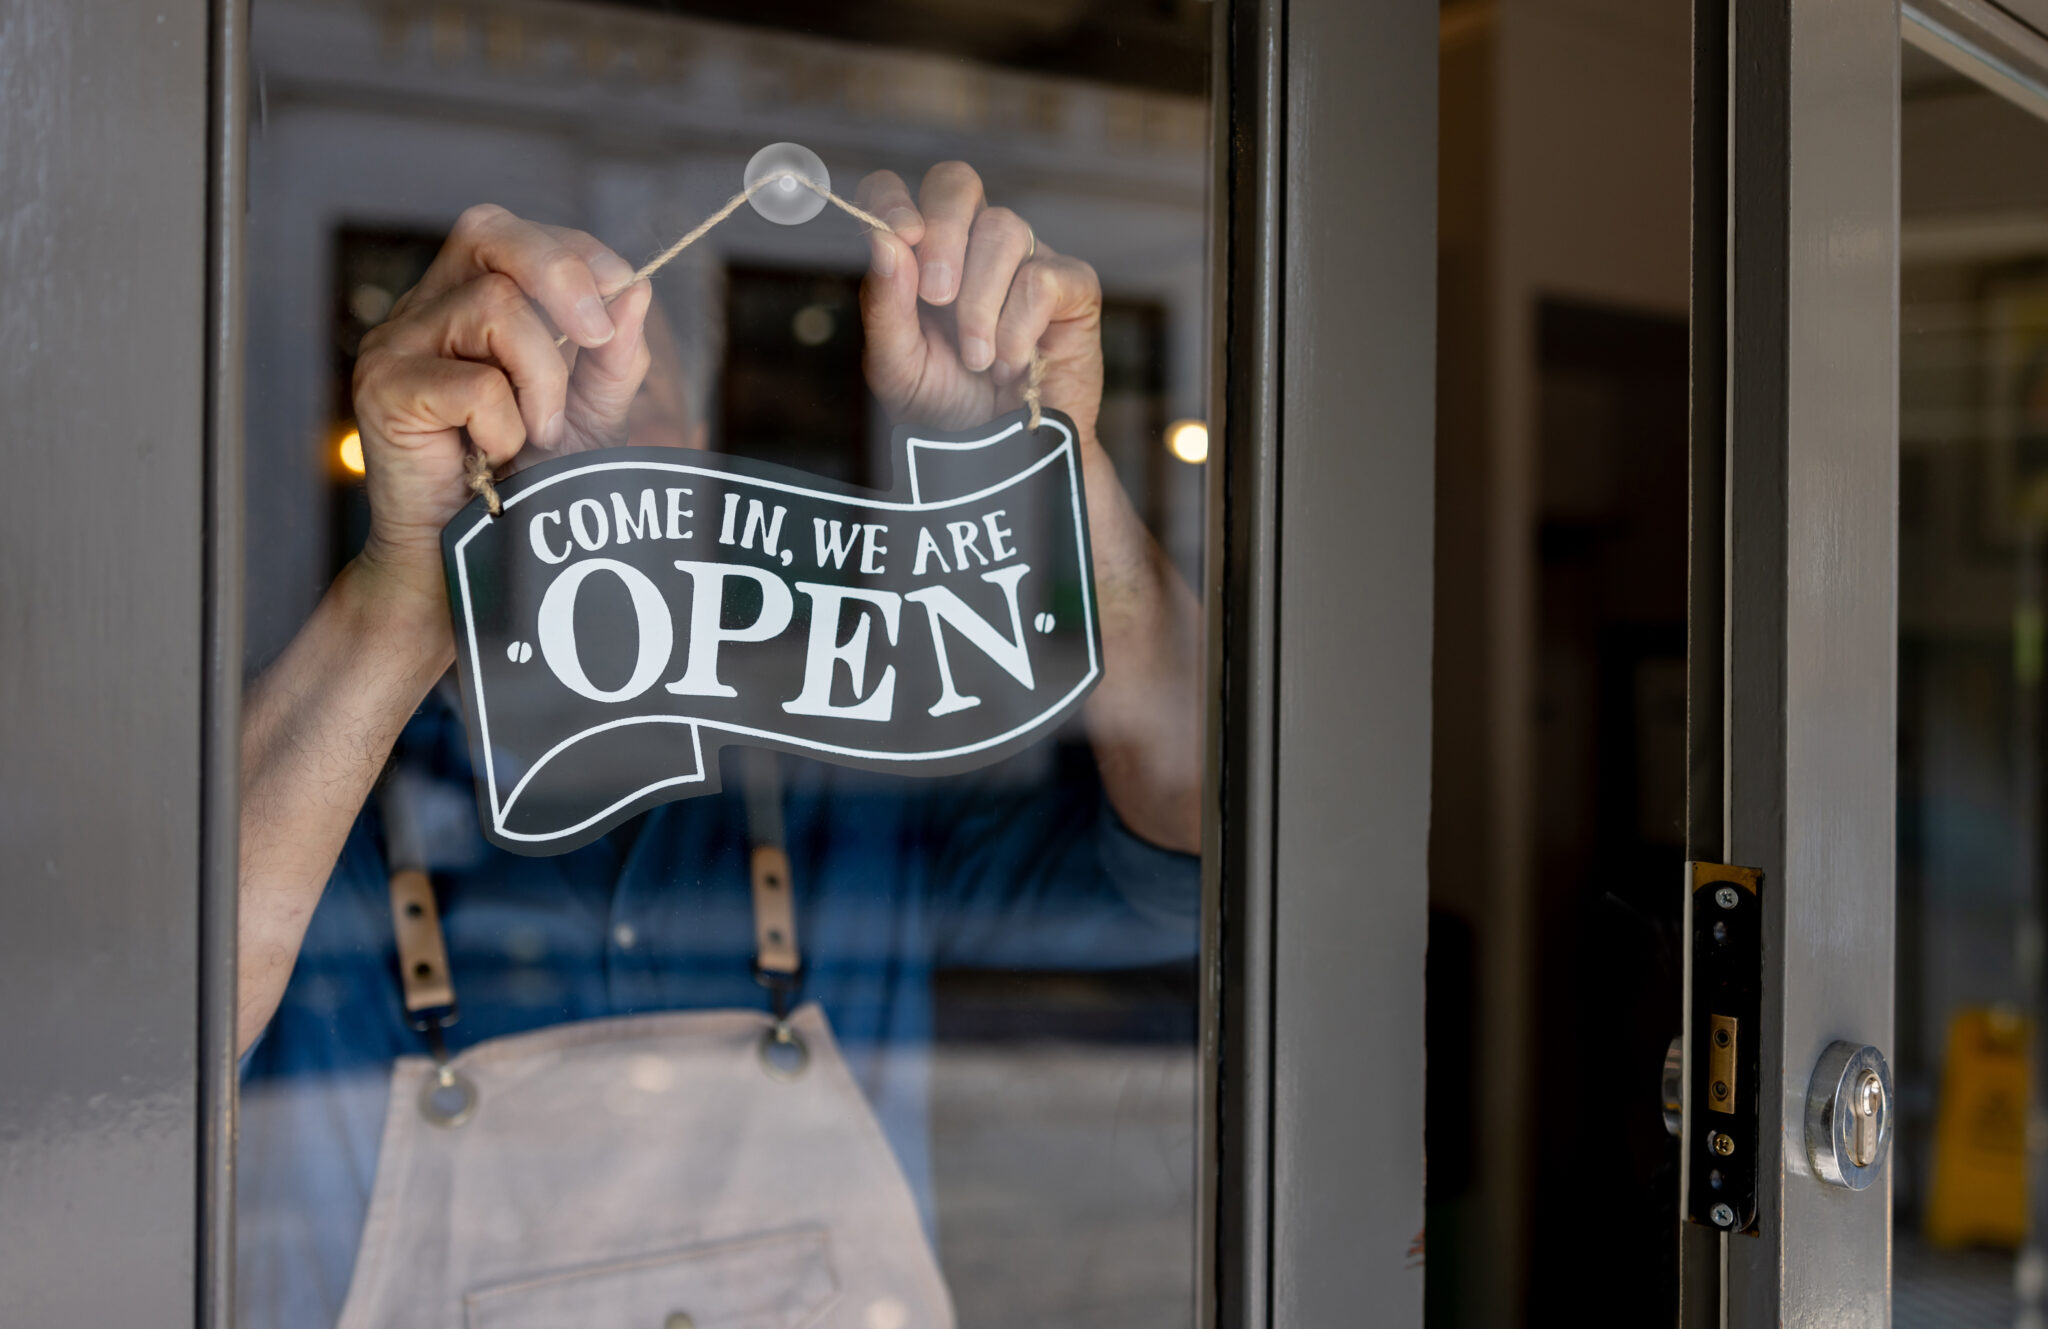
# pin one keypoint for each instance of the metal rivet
(783, 1052)
(448, 1098)
(1726, 897)
(1723, 1216)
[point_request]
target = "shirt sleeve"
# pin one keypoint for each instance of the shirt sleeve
(1043, 874)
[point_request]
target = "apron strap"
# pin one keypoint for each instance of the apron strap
(448, 1098)
(429, 985)
(778, 963)
(422, 950)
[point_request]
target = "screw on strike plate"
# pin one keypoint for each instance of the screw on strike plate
(1726, 897)
(1723, 1216)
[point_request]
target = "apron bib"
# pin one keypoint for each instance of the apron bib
(688, 1170)
(651, 1172)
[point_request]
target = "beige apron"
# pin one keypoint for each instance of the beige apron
(696, 1170)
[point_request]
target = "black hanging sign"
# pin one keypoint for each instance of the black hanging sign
(634, 609)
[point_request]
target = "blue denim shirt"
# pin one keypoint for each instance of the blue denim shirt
(1021, 865)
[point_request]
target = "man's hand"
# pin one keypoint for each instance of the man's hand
(471, 349)
(957, 297)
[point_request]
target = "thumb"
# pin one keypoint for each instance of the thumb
(895, 350)
(607, 378)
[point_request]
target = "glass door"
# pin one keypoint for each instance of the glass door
(738, 655)
(755, 808)
(1898, 617)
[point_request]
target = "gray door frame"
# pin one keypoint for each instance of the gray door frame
(1794, 623)
(121, 660)
(119, 647)
(1320, 562)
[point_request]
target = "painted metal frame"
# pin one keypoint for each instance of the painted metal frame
(1320, 642)
(220, 787)
(1985, 43)
(116, 748)
(1794, 588)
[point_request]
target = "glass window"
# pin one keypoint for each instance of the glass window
(1973, 417)
(832, 1044)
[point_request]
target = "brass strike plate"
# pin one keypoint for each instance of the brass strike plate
(1722, 1046)
(1723, 1123)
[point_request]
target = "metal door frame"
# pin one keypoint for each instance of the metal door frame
(119, 658)
(1310, 1160)
(1794, 589)
(1320, 616)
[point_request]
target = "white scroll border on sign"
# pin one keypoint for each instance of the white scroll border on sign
(500, 811)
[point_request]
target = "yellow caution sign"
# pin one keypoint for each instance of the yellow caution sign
(1978, 1194)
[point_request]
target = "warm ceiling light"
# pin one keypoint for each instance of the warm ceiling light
(350, 451)
(1189, 441)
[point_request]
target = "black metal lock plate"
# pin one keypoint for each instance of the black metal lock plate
(1722, 1045)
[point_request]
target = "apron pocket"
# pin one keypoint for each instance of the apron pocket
(782, 1280)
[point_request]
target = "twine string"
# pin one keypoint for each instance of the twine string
(477, 468)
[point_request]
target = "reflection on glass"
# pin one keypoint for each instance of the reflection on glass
(827, 1047)
(1973, 458)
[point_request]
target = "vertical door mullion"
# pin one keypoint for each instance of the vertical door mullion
(1243, 590)
(1699, 1254)
(104, 262)
(1321, 553)
(1809, 532)
(221, 683)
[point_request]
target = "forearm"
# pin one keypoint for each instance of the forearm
(1145, 718)
(316, 731)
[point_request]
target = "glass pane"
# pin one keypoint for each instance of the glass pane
(1973, 423)
(794, 1029)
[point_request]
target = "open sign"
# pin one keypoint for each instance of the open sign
(634, 609)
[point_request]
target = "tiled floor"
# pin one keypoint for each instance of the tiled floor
(1065, 1183)
(1934, 1289)
(1065, 1196)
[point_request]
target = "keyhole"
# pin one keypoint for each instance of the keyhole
(1867, 1104)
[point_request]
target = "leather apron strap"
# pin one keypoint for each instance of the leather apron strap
(449, 1097)
(778, 963)
(429, 985)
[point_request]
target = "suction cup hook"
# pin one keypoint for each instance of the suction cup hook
(788, 201)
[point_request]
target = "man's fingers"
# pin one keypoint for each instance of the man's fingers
(607, 379)
(490, 320)
(422, 398)
(550, 269)
(1049, 289)
(611, 271)
(886, 196)
(997, 244)
(950, 199)
(894, 345)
